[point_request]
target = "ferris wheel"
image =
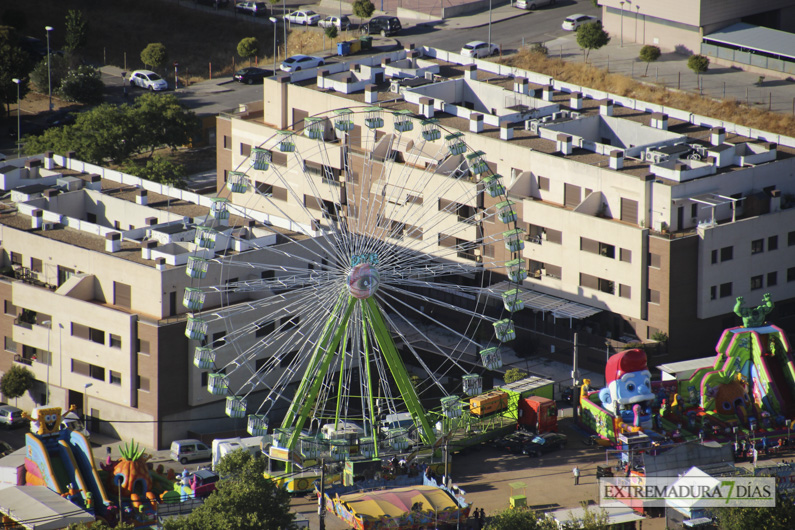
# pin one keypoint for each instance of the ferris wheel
(347, 273)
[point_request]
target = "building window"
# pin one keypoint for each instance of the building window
(791, 239)
(35, 265)
(79, 367)
(655, 260)
(96, 335)
(10, 309)
(10, 345)
(289, 322)
(414, 232)
(218, 338)
(143, 382)
(554, 236)
(96, 372)
(115, 341)
(791, 274)
(772, 278)
(626, 255)
(624, 291)
(654, 296)
(543, 184)
(725, 290)
(714, 257)
(115, 378)
(143, 346)
(288, 359)
(726, 253)
(772, 243)
(16, 258)
(713, 292)
(756, 282)
(205, 379)
(227, 142)
(265, 328)
(245, 150)
(757, 246)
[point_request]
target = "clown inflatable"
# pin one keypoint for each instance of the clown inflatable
(628, 393)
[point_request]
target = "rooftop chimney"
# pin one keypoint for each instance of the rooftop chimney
(371, 94)
(49, 161)
(94, 182)
(321, 78)
(35, 218)
(141, 197)
(150, 221)
(549, 91)
(659, 121)
(506, 131)
(426, 107)
(112, 242)
(606, 107)
(564, 143)
(476, 122)
(50, 193)
(520, 85)
(33, 165)
(575, 100)
(616, 159)
(146, 248)
(471, 72)
(385, 62)
(160, 264)
(717, 135)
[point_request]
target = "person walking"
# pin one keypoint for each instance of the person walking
(481, 519)
(576, 472)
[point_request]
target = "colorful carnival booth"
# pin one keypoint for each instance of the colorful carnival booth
(407, 508)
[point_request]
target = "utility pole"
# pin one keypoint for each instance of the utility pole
(321, 501)
(575, 370)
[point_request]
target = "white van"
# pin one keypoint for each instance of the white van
(533, 4)
(184, 451)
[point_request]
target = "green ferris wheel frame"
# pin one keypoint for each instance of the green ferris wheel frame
(333, 333)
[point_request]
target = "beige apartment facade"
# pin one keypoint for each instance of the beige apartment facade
(622, 209)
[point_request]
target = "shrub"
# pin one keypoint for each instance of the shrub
(649, 54)
(154, 55)
(59, 68)
(514, 374)
(331, 32)
(698, 63)
(16, 381)
(539, 47)
(84, 85)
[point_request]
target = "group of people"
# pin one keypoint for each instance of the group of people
(480, 518)
(747, 449)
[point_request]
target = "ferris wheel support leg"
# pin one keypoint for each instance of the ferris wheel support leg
(373, 419)
(326, 349)
(398, 370)
(343, 349)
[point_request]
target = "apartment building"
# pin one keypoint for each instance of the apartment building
(654, 219)
(680, 25)
(92, 288)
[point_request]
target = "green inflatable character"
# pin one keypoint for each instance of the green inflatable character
(753, 317)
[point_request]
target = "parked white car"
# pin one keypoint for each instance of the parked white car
(149, 80)
(301, 62)
(575, 21)
(342, 23)
(306, 18)
(533, 4)
(478, 48)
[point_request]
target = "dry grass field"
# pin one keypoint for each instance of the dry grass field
(586, 75)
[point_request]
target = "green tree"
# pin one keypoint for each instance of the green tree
(248, 48)
(100, 525)
(157, 169)
(238, 504)
(648, 54)
(698, 63)
(363, 9)
(154, 55)
(519, 519)
(780, 517)
(592, 36)
(167, 121)
(538, 47)
(331, 32)
(16, 381)
(591, 520)
(514, 374)
(232, 464)
(40, 77)
(83, 84)
(76, 30)
(15, 63)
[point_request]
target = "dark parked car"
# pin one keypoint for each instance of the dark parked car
(251, 75)
(545, 443)
(383, 25)
(514, 442)
(61, 117)
(214, 3)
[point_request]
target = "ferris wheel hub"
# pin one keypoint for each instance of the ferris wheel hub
(363, 281)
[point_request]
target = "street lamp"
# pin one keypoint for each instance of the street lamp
(622, 24)
(284, 23)
(273, 20)
(637, 11)
(85, 403)
(489, 22)
(49, 69)
(48, 323)
(19, 122)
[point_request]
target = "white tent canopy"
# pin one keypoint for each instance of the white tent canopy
(692, 507)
